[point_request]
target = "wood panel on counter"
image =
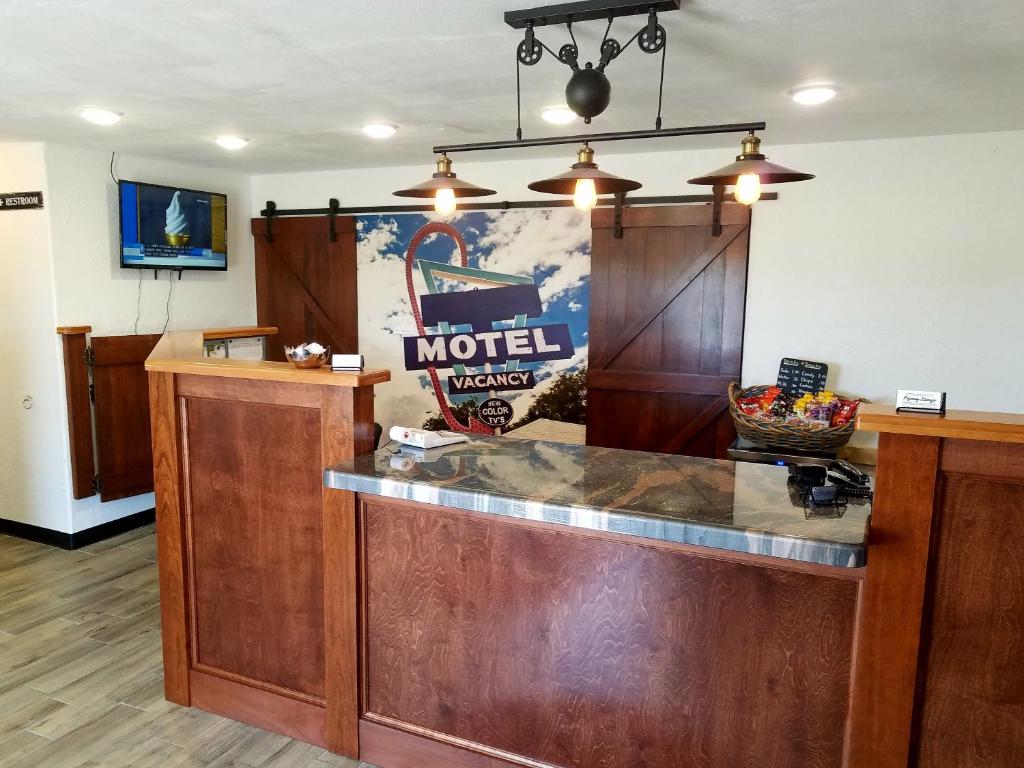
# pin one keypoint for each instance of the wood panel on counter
(940, 670)
(239, 449)
(253, 562)
(523, 645)
(971, 708)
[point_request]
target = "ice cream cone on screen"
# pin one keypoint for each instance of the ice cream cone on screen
(176, 229)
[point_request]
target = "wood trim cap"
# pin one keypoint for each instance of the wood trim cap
(964, 425)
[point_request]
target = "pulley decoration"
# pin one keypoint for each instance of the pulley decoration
(588, 94)
(589, 91)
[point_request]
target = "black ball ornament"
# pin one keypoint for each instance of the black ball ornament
(588, 92)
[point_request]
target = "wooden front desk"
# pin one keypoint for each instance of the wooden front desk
(248, 565)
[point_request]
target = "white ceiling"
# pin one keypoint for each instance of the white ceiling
(300, 76)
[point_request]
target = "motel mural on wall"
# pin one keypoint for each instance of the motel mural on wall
(486, 307)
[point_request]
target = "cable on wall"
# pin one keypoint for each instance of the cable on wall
(167, 306)
(112, 156)
(138, 305)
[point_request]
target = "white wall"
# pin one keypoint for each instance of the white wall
(900, 264)
(60, 266)
(33, 452)
(90, 287)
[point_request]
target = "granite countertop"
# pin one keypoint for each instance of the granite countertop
(728, 505)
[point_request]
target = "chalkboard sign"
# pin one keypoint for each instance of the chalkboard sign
(799, 376)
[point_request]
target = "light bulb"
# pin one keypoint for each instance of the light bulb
(379, 130)
(232, 143)
(444, 202)
(585, 196)
(813, 95)
(748, 189)
(558, 115)
(100, 116)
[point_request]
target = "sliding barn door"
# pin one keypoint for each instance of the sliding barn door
(306, 283)
(666, 328)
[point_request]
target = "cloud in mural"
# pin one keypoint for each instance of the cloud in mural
(550, 246)
(555, 242)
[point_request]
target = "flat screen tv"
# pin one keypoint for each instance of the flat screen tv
(172, 227)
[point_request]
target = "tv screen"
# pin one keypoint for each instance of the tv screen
(172, 228)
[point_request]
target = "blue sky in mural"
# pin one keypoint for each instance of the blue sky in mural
(550, 245)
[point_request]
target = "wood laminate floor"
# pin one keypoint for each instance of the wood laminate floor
(81, 684)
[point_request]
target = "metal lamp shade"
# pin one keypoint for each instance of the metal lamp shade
(444, 179)
(604, 183)
(458, 187)
(769, 173)
(751, 162)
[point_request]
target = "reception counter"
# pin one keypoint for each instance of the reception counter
(247, 541)
(511, 603)
(526, 603)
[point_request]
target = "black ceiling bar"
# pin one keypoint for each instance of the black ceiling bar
(552, 141)
(585, 10)
(499, 206)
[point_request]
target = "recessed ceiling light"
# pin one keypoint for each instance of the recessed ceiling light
(558, 115)
(100, 116)
(812, 95)
(231, 142)
(380, 130)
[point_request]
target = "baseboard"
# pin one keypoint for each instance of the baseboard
(81, 538)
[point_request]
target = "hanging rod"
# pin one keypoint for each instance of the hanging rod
(504, 205)
(551, 141)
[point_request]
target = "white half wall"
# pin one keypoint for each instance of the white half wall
(33, 451)
(899, 265)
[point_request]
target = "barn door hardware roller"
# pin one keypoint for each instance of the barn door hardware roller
(269, 213)
(332, 211)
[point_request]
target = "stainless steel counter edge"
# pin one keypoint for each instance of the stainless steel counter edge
(626, 523)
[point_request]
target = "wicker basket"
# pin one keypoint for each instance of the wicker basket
(802, 437)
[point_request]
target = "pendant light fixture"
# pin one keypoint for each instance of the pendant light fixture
(444, 187)
(749, 172)
(585, 181)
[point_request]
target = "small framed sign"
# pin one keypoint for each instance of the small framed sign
(799, 376)
(20, 201)
(495, 412)
(919, 401)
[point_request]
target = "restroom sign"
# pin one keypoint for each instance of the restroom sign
(20, 201)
